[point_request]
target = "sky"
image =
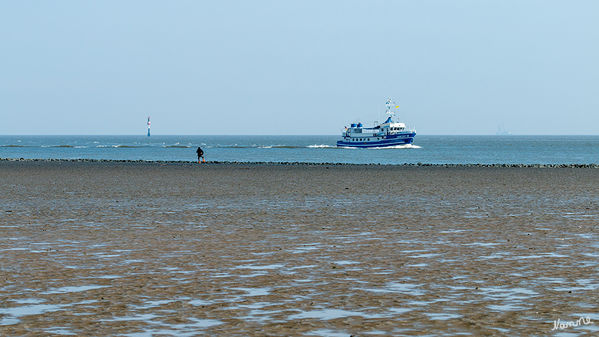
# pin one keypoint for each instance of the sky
(304, 67)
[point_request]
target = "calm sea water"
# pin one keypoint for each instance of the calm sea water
(313, 149)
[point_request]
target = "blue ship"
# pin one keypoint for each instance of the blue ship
(386, 134)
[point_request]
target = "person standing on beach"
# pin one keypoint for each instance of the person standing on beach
(200, 153)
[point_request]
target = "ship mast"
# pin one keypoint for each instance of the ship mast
(389, 104)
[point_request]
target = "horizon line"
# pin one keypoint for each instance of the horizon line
(275, 135)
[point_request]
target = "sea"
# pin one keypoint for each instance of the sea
(426, 149)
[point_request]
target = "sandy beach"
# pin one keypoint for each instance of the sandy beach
(135, 249)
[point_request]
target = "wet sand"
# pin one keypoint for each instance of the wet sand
(135, 249)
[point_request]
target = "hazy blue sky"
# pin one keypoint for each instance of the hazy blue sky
(298, 67)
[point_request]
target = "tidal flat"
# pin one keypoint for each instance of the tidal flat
(149, 248)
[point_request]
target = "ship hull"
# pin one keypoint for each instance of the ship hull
(392, 140)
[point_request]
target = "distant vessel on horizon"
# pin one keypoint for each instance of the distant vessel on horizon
(386, 134)
(501, 131)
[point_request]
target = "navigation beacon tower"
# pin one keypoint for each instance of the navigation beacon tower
(148, 126)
